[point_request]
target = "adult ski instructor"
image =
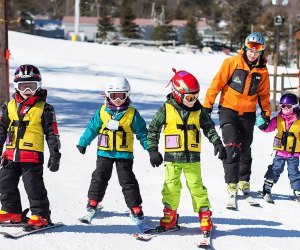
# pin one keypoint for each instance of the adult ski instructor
(243, 81)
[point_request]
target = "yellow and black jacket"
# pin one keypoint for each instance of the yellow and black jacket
(288, 141)
(23, 126)
(182, 126)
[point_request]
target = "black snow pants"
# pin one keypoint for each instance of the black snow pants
(127, 180)
(32, 176)
(237, 134)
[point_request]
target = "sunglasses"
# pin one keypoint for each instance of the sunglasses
(288, 106)
(32, 86)
(255, 46)
(118, 95)
(190, 97)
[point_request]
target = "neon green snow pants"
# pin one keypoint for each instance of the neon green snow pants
(172, 186)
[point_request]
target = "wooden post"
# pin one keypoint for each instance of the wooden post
(4, 54)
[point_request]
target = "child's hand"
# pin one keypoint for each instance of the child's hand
(262, 123)
(219, 148)
(54, 161)
(81, 149)
(156, 158)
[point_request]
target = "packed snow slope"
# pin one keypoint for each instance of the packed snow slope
(74, 74)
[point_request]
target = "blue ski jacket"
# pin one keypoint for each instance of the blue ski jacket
(92, 130)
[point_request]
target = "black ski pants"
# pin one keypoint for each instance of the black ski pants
(237, 134)
(127, 180)
(32, 176)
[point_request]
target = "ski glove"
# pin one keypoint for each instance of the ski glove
(156, 158)
(208, 110)
(81, 149)
(262, 122)
(54, 161)
(219, 148)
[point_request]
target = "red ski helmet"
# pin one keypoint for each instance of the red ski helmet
(183, 82)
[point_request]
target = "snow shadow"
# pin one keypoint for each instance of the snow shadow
(74, 111)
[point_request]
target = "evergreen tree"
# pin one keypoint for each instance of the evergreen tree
(86, 7)
(191, 35)
(105, 25)
(128, 28)
(163, 33)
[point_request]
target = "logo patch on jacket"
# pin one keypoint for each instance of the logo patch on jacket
(27, 144)
(237, 80)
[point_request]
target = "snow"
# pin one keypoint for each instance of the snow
(74, 74)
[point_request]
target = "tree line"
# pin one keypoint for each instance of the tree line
(232, 20)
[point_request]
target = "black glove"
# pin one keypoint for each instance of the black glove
(219, 148)
(54, 161)
(208, 110)
(156, 158)
(81, 149)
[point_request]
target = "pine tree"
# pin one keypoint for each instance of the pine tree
(191, 35)
(128, 28)
(163, 33)
(105, 25)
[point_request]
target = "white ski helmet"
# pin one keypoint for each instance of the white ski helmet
(117, 84)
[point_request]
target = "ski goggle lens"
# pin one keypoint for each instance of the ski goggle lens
(255, 46)
(287, 106)
(118, 95)
(23, 86)
(190, 97)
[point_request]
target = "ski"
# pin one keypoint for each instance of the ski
(205, 241)
(90, 213)
(252, 202)
(232, 203)
(22, 223)
(23, 233)
(148, 235)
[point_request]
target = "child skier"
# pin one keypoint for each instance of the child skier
(182, 116)
(286, 144)
(24, 122)
(115, 124)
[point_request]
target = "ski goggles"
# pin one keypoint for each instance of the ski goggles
(255, 46)
(32, 86)
(118, 95)
(288, 106)
(190, 97)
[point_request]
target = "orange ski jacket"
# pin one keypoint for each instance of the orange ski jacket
(241, 88)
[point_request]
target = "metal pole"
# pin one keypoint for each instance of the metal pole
(275, 70)
(4, 54)
(77, 15)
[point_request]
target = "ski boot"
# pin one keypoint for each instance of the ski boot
(92, 204)
(297, 196)
(137, 215)
(266, 193)
(35, 222)
(232, 189)
(169, 221)
(244, 186)
(10, 217)
(205, 219)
